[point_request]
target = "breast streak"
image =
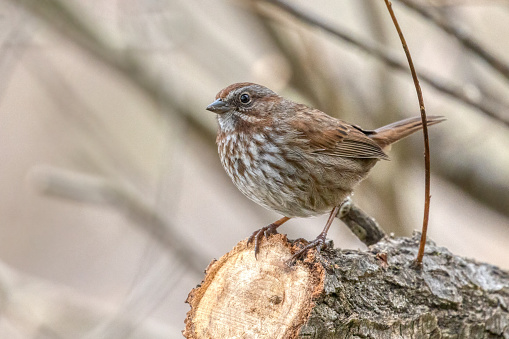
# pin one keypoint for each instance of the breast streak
(278, 179)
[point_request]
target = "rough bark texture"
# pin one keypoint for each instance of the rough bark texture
(354, 294)
(378, 294)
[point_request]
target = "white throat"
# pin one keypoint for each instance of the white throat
(227, 121)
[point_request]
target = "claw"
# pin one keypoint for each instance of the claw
(303, 241)
(318, 244)
(265, 232)
(259, 234)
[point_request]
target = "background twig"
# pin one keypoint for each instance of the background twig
(88, 189)
(462, 36)
(491, 109)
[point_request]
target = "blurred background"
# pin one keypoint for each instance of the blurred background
(112, 197)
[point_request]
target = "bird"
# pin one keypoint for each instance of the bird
(294, 159)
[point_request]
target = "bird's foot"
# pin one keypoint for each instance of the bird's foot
(319, 244)
(258, 235)
(302, 241)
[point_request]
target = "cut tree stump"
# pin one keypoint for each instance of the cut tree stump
(349, 294)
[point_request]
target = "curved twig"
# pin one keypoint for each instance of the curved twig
(427, 163)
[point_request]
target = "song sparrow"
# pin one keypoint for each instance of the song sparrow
(293, 159)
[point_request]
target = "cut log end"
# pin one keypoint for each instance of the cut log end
(240, 294)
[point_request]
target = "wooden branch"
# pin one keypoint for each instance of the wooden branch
(349, 294)
(360, 223)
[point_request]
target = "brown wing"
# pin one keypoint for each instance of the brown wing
(327, 135)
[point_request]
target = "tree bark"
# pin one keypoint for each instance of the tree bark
(376, 293)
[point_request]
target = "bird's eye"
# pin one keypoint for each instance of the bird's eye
(245, 98)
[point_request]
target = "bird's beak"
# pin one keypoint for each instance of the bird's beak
(218, 106)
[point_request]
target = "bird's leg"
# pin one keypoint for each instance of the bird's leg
(265, 232)
(319, 242)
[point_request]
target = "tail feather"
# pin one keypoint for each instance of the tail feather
(389, 134)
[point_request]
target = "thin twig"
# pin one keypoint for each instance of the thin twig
(427, 166)
(459, 34)
(457, 92)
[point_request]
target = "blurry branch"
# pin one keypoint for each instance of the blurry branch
(147, 293)
(71, 106)
(375, 21)
(19, 33)
(70, 23)
(300, 73)
(483, 180)
(482, 188)
(460, 35)
(473, 177)
(35, 308)
(100, 191)
(455, 3)
(304, 79)
(458, 92)
(314, 83)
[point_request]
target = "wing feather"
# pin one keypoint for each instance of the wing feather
(326, 135)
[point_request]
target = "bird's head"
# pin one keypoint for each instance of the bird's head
(244, 104)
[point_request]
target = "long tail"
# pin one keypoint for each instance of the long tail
(389, 134)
